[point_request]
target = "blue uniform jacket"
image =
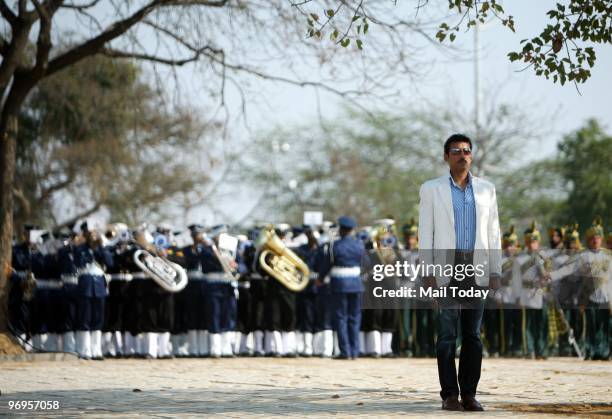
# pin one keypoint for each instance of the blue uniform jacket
(345, 252)
(92, 282)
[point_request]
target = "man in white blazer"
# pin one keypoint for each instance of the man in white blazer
(458, 224)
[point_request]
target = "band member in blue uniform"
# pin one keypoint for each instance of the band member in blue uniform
(195, 318)
(343, 264)
(221, 296)
(27, 264)
(91, 260)
(306, 299)
(70, 284)
(257, 295)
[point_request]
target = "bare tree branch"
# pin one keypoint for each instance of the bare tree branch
(81, 6)
(147, 57)
(7, 13)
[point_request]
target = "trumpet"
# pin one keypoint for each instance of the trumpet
(281, 262)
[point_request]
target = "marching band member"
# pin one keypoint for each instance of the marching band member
(534, 279)
(280, 321)
(27, 264)
(257, 295)
(91, 260)
(70, 282)
(595, 272)
(196, 321)
(508, 296)
(118, 235)
(306, 299)
(221, 297)
(323, 341)
(343, 264)
(411, 254)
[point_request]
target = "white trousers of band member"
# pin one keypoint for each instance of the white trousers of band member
(46, 342)
(69, 342)
(336, 346)
(362, 343)
(39, 341)
(180, 344)
(323, 343)
(129, 344)
(258, 342)
(373, 343)
(386, 341)
(25, 343)
(112, 343)
(83, 344)
(198, 342)
(303, 343)
(164, 347)
(246, 344)
(273, 342)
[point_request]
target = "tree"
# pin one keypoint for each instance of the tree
(372, 165)
(564, 49)
(97, 136)
(584, 162)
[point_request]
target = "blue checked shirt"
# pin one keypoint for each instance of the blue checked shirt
(464, 208)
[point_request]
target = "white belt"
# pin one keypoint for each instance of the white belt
(195, 275)
(255, 276)
(218, 277)
(91, 269)
(122, 277)
(48, 284)
(139, 275)
(345, 271)
(314, 275)
(70, 279)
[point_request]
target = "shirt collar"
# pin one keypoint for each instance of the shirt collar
(469, 181)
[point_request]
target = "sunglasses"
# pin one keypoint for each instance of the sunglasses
(455, 151)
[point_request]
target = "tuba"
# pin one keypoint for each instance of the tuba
(281, 262)
(168, 275)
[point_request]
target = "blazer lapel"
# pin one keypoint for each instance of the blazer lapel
(444, 193)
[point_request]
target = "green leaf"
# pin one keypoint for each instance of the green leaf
(330, 13)
(345, 42)
(359, 44)
(452, 37)
(365, 28)
(314, 17)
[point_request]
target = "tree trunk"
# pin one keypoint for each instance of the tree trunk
(8, 141)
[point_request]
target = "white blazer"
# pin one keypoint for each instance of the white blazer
(437, 226)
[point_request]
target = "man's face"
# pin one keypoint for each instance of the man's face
(511, 249)
(533, 244)
(595, 242)
(556, 238)
(411, 241)
(458, 158)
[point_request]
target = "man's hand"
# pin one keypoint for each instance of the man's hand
(495, 282)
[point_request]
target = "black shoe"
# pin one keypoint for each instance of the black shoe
(452, 403)
(470, 404)
(341, 357)
(97, 358)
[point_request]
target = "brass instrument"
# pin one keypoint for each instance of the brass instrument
(223, 260)
(168, 275)
(384, 228)
(28, 286)
(281, 262)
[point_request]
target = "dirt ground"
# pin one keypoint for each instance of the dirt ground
(268, 387)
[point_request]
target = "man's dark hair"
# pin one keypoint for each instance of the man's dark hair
(456, 138)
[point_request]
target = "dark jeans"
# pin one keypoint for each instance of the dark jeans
(468, 314)
(470, 359)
